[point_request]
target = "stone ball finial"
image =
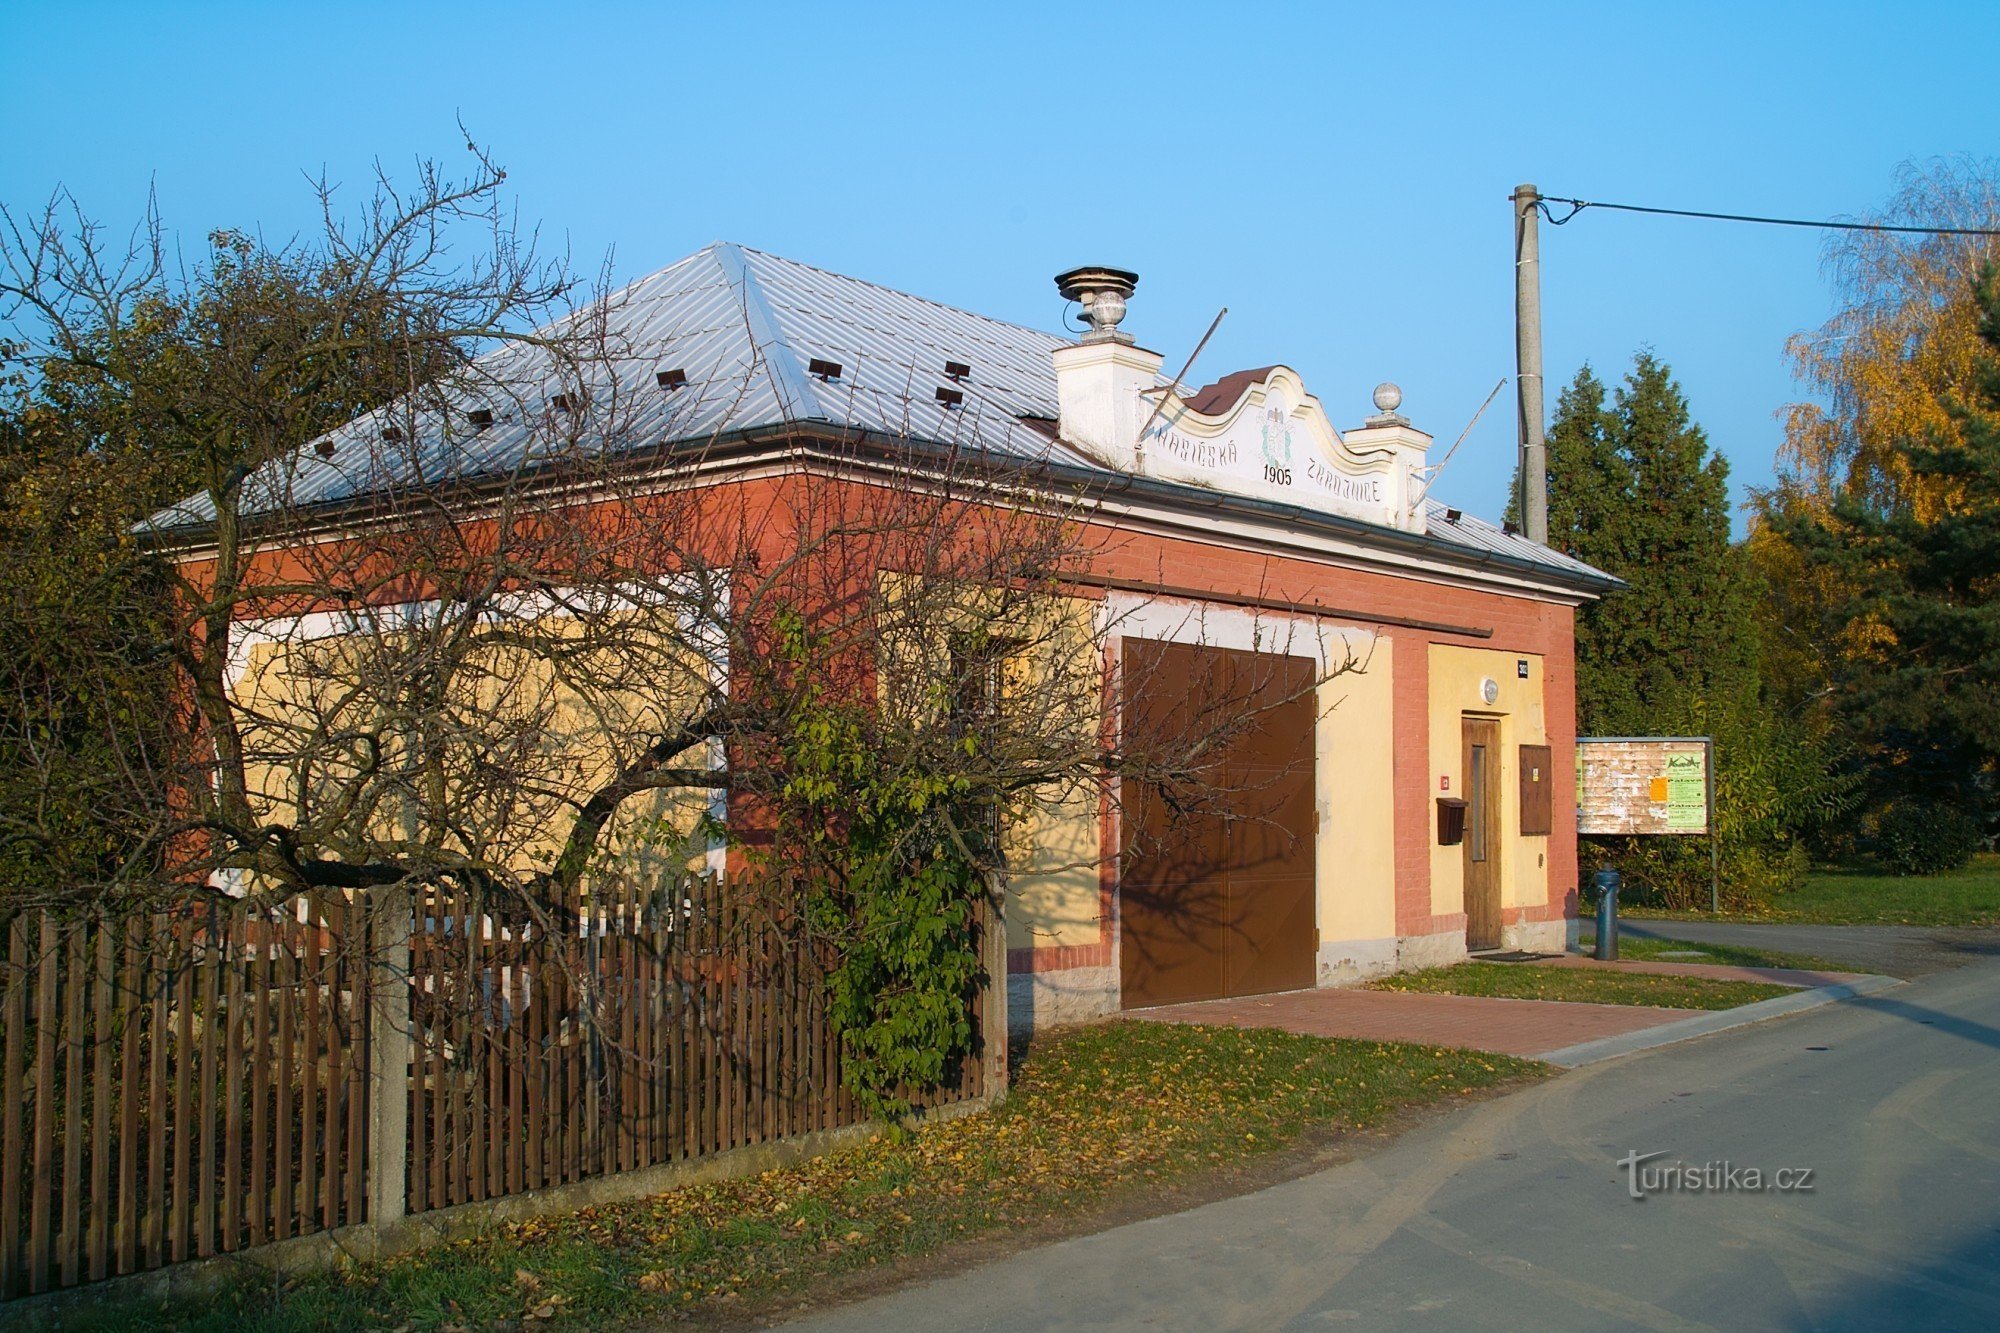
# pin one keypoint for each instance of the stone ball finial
(1387, 397)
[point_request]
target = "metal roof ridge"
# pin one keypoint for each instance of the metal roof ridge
(898, 291)
(793, 388)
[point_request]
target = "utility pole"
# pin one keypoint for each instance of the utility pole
(1534, 456)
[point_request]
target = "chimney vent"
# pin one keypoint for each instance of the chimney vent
(826, 370)
(950, 397)
(1102, 292)
(480, 417)
(957, 370)
(671, 379)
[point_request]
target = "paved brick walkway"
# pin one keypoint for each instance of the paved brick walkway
(1473, 1022)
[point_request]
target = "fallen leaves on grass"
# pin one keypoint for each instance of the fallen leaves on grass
(1094, 1111)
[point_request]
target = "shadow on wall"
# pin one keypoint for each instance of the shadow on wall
(1042, 1000)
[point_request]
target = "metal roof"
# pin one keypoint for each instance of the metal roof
(746, 328)
(1494, 539)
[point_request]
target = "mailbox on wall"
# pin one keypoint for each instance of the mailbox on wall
(1451, 821)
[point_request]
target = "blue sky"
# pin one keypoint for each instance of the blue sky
(1334, 174)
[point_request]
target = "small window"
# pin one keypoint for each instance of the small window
(1476, 798)
(980, 672)
(979, 683)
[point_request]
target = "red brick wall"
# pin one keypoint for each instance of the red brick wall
(1559, 689)
(1518, 624)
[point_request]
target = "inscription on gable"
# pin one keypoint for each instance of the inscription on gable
(1276, 443)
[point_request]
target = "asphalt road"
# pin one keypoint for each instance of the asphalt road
(1516, 1213)
(1894, 951)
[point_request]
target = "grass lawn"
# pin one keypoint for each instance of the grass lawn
(1101, 1117)
(1859, 895)
(1527, 981)
(1732, 955)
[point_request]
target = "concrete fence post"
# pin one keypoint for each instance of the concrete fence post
(389, 1046)
(994, 1009)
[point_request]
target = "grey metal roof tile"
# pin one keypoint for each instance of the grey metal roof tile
(1480, 535)
(743, 325)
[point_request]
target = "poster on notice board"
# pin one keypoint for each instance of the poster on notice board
(1644, 784)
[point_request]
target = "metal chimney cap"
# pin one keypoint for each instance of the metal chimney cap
(1102, 292)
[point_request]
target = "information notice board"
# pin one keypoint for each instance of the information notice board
(1645, 784)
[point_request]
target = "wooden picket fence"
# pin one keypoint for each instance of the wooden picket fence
(175, 1087)
(203, 1083)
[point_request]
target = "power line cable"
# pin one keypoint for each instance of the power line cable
(1577, 206)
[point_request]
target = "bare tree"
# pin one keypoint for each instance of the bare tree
(439, 601)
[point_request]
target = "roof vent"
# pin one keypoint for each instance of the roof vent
(1510, 527)
(480, 417)
(955, 371)
(672, 379)
(1452, 515)
(325, 447)
(393, 434)
(563, 402)
(826, 370)
(1102, 292)
(950, 398)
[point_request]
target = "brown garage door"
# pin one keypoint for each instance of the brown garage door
(1216, 892)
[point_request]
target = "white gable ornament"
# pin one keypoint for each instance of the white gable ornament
(1275, 442)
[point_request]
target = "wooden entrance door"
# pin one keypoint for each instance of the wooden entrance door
(1482, 833)
(1216, 896)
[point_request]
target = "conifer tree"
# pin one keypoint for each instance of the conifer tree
(1635, 490)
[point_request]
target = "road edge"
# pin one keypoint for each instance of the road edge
(1721, 1020)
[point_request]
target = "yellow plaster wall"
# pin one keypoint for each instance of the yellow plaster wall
(1455, 679)
(1052, 887)
(286, 685)
(1050, 838)
(1355, 754)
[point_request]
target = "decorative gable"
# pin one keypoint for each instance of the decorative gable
(1272, 439)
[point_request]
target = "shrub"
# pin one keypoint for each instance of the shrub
(1674, 872)
(1922, 837)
